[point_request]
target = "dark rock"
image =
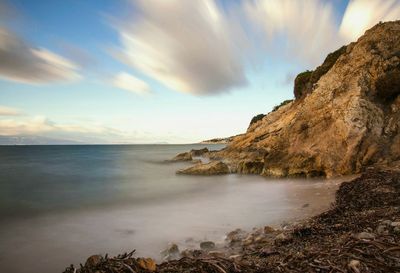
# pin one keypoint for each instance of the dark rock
(199, 152)
(251, 167)
(207, 245)
(93, 260)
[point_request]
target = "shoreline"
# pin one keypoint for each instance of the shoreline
(360, 233)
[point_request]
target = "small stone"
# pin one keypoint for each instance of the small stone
(305, 205)
(259, 239)
(365, 236)
(207, 245)
(268, 229)
(396, 230)
(386, 222)
(395, 224)
(93, 260)
(171, 253)
(147, 264)
(280, 237)
(354, 265)
(381, 229)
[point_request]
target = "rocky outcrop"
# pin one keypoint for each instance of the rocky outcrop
(305, 82)
(347, 121)
(199, 152)
(186, 156)
(211, 168)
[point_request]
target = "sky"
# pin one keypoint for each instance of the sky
(150, 71)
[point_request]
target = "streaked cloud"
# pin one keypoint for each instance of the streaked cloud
(186, 45)
(21, 62)
(9, 111)
(361, 15)
(302, 30)
(126, 81)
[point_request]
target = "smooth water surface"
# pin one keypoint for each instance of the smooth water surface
(61, 204)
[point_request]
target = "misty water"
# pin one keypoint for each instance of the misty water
(61, 204)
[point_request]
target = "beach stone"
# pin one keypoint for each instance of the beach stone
(354, 266)
(171, 253)
(395, 224)
(93, 260)
(147, 264)
(305, 205)
(396, 230)
(268, 229)
(365, 236)
(386, 222)
(235, 237)
(381, 229)
(280, 237)
(207, 245)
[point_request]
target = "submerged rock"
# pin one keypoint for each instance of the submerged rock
(207, 245)
(212, 168)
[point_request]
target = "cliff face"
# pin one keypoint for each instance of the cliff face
(346, 120)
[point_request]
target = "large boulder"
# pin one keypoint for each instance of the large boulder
(349, 120)
(211, 168)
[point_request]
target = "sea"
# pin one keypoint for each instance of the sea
(59, 204)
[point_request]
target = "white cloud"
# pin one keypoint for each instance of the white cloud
(361, 15)
(9, 111)
(186, 45)
(304, 30)
(130, 83)
(22, 63)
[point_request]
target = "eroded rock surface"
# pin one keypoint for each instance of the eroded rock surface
(211, 168)
(347, 121)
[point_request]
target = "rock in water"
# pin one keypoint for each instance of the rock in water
(199, 152)
(186, 156)
(346, 118)
(93, 260)
(212, 168)
(207, 245)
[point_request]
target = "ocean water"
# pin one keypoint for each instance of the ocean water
(61, 204)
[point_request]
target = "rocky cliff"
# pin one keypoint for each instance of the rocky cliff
(346, 116)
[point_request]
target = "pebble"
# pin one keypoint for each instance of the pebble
(395, 224)
(207, 245)
(365, 236)
(381, 229)
(268, 229)
(93, 260)
(386, 222)
(147, 264)
(280, 237)
(354, 265)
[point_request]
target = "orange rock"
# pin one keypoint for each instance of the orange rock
(147, 264)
